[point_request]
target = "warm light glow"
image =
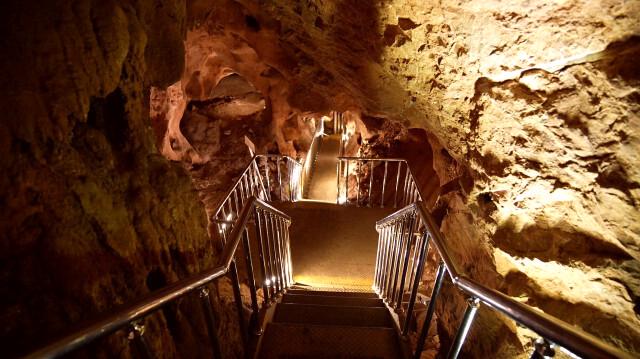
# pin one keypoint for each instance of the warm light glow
(342, 198)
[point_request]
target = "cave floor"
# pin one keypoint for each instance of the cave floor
(323, 183)
(333, 246)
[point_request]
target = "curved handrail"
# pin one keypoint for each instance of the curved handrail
(121, 317)
(549, 327)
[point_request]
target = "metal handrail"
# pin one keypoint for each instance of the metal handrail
(411, 192)
(153, 301)
(550, 328)
(252, 182)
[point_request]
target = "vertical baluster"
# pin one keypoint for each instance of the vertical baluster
(278, 231)
(261, 252)
(279, 179)
(251, 280)
(384, 183)
(385, 261)
(358, 167)
(276, 255)
(224, 228)
(236, 201)
(370, 182)
(235, 283)
(266, 171)
(405, 191)
(430, 310)
(283, 249)
(422, 251)
(338, 181)
(247, 185)
(383, 246)
(395, 196)
(384, 232)
(397, 260)
(472, 307)
(136, 335)
(416, 252)
(389, 262)
(290, 259)
(290, 169)
(241, 192)
(377, 268)
(287, 255)
(405, 255)
(210, 321)
(346, 183)
(270, 280)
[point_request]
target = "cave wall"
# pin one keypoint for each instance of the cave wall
(92, 214)
(528, 113)
(531, 111)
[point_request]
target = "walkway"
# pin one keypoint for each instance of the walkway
(333, 246)
(323, 180)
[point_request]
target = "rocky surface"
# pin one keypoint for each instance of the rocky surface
(522, 117)
(92, 214)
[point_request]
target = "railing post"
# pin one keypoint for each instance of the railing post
(389, 261)
(276, 256)
(263, 267)
(269, 280)
(279, 249)
(430, 309)
(289, 261)
(358, 166)
(266, 172)
(235, 283)
(370, 182)
(396, 260)
(463, 330)
(406, 248)
(279, 179)
(346, 184)
(210, 320)
(384, 183)
(338, 164)
(136, 335)
(395, 195)
(253, 321)
(422, 259)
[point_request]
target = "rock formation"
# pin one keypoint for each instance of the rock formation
(522, 120)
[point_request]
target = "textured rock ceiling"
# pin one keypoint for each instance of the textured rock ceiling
(532, 114)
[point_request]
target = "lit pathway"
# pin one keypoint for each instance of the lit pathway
(323, 181)
(333, 246)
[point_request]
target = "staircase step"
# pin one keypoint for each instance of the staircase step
(332, 315)
(317, 341)
(332, 300)
(333, 294)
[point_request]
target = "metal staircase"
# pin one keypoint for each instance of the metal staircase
(287, 321)
(325, 324)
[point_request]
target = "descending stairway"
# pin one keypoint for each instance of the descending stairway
(329, 324)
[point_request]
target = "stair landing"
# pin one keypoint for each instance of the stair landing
(333, 246)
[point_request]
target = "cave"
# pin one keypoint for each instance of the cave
(320, 179)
